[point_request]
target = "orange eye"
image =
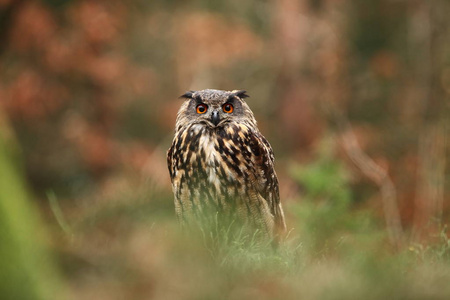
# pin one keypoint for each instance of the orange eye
(228, 108)
(202, 108)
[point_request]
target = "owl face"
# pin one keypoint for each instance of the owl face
(214, 108)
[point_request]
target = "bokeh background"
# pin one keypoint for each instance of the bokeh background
(353, 96)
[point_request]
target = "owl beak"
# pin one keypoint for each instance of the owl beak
(215, 118)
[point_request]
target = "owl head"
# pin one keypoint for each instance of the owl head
(214, 108)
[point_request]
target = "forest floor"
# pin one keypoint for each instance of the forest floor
(131, 247)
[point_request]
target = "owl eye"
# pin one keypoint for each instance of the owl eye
(228, 108)
(202, 108)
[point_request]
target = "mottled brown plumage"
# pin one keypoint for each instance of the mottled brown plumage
(220, 164)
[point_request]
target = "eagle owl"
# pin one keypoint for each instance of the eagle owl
(220, 164)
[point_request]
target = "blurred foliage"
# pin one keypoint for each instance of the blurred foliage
(91, 88)
(326, 217)
(438, 251)
(27, 269)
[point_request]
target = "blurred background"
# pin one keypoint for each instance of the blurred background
(353, 96)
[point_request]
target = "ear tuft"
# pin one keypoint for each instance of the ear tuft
(187, 95)
(240, 93)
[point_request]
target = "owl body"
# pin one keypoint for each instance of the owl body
(221, 166)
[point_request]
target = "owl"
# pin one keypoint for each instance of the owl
(221, 165)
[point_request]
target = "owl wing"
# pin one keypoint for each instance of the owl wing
(266, 177)
(169, 161)
(175, 180)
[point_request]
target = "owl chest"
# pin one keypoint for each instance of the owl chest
(211, 167)
(207, 161)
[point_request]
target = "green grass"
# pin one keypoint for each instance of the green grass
(27, 269)
(134, 249)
